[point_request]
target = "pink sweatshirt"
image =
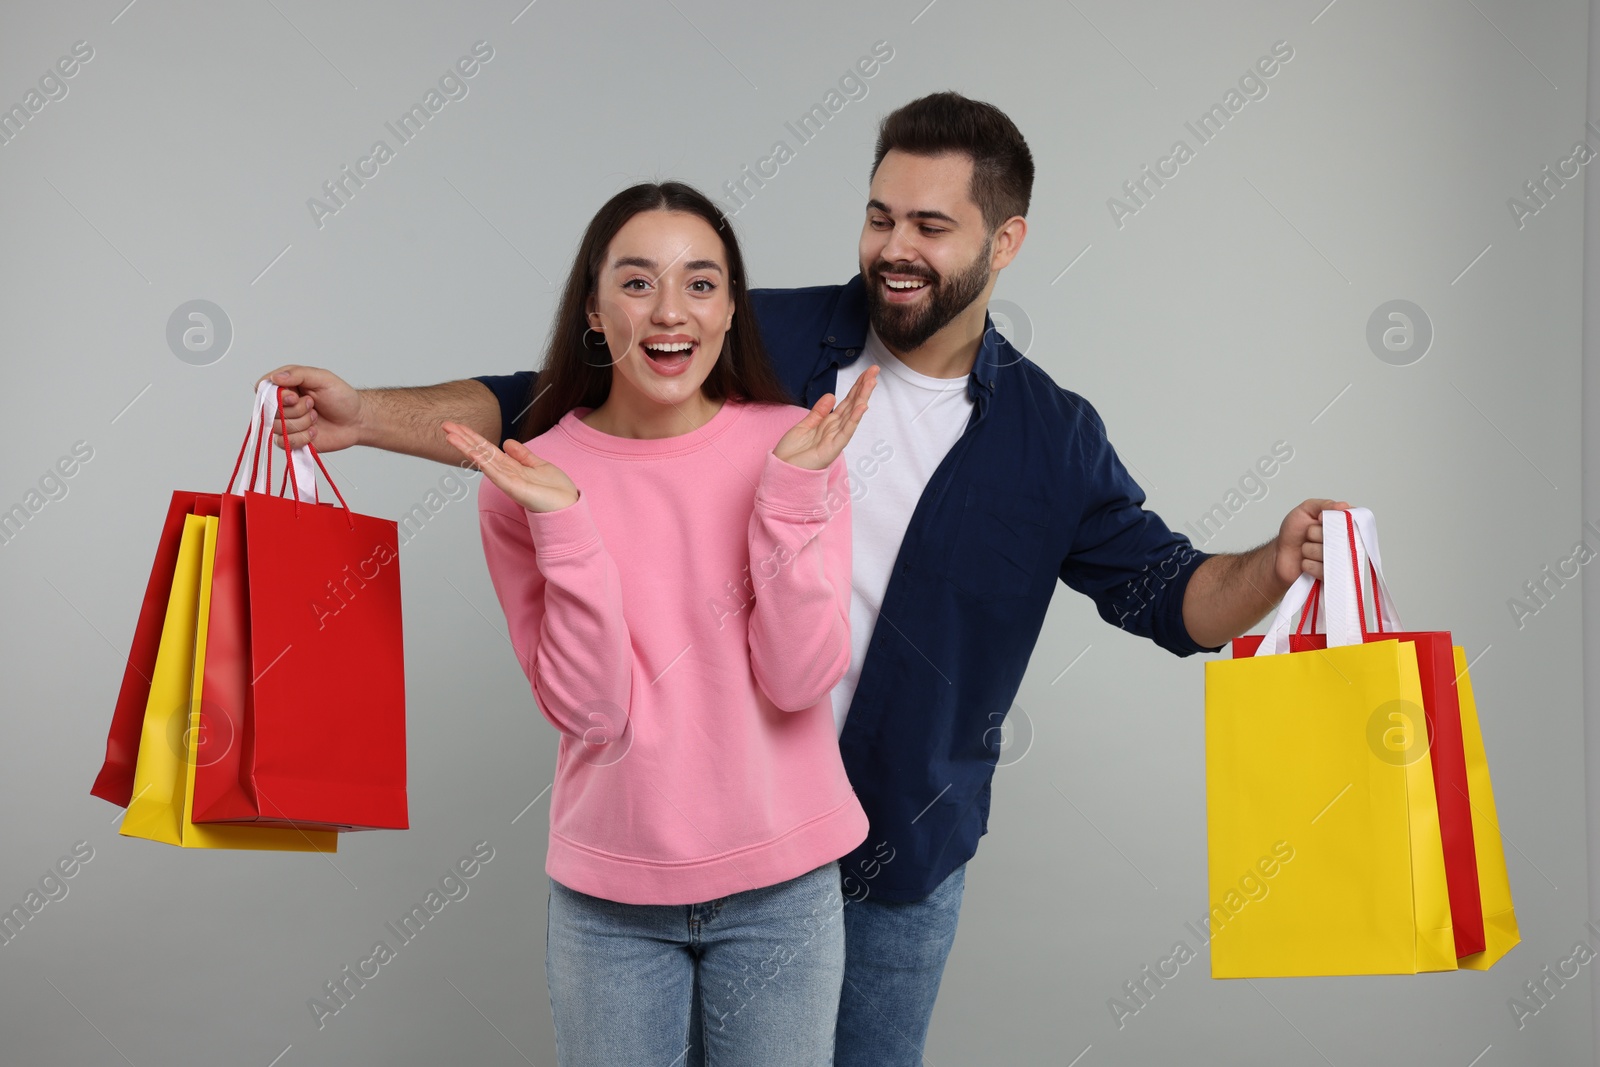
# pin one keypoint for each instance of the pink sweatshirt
(682, 625)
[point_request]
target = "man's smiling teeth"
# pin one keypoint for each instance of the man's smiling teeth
(904, 285)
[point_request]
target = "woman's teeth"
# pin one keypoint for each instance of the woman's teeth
(676, 352)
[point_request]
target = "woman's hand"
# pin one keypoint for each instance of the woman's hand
(517, 472)
(816, 440)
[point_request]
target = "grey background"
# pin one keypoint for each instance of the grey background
(1230, 313)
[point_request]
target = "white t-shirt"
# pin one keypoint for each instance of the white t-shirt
(911, 422)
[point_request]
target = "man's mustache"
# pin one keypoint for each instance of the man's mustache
(881, 269)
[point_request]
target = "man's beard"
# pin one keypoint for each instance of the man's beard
(906, 328)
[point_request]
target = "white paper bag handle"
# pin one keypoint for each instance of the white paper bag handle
(1341, 586)
(1349, 553)
(1276, 642)
(298, 469)
(303, 461)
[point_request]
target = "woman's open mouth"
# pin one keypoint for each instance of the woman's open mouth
(670, 357)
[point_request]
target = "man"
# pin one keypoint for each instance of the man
(977, 483)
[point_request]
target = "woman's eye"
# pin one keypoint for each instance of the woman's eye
(629, 283)
(708, 285)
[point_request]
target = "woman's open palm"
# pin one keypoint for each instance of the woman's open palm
(517, 472)
(816, 440)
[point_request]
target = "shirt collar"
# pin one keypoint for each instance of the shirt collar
(848, 327)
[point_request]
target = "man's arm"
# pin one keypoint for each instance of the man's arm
(320, 406)
(1231, 592)
(1153, 582)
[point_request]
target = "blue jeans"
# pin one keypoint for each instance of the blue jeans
(894, 957)
(893, 961)
(762, 969)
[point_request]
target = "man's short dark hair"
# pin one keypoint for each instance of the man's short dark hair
(1002, 166)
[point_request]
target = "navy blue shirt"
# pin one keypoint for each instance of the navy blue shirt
(1031, 492)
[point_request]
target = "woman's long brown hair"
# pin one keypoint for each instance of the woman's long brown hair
(569, 377)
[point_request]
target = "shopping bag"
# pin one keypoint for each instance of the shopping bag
(310, 735)
(1499, 916)
(1438, 736)
(1291, 772)
(303, 705)
(115, 780)
(160, 808)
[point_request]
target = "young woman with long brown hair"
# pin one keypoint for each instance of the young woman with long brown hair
(671, 547)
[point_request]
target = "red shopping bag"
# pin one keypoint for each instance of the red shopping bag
(115, 780)
(302, 714)
(1349, 540)
(302, 711)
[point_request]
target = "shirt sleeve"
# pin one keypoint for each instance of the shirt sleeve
(515, 395)
(799, 537)
(1124, 557)
(562, 599)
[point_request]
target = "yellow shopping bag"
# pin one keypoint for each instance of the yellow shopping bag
(1291, 770)
(1500, 932)
(163, 780)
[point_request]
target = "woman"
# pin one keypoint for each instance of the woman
(672, 551)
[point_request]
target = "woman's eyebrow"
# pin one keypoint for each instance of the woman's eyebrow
(649, 264)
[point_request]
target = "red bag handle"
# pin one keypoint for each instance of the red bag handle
(1314, 600)
(1309, 612)
(1372, 569)
(289, 472)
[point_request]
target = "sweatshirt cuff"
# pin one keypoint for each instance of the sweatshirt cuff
(564, 532)
(795, 492)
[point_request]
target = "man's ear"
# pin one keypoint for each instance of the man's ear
(1008, 241)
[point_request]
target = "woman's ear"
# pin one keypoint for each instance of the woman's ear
(592, 316)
